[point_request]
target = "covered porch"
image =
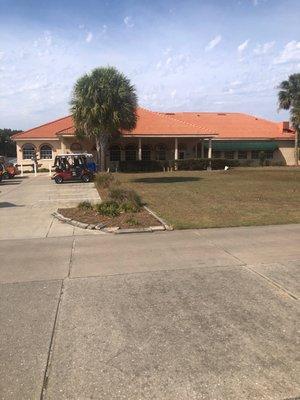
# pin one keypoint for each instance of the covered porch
(159, 149)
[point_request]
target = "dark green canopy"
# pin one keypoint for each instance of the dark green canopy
(231, 145)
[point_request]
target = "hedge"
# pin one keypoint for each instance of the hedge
(142, 166)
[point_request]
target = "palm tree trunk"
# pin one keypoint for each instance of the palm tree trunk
(103, 161)
(98, 151)
(297, 146)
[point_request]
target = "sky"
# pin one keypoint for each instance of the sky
(189, 55)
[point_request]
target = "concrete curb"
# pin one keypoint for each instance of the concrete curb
(102, 227)
(162, 221)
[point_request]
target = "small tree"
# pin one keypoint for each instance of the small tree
(262, 158)
(103, 104)
(289, 99)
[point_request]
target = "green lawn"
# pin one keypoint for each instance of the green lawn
(192, 199)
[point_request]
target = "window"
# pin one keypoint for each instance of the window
(146, 153)
(269, 154)
(255, 155)
(115, 153)
(46, 152)
(216, 154)
(28, 151)
(242, 155)
(229, 155)
(130, 153)
(76, 147)
(160, 152)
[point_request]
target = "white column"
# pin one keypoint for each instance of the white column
(140, 149)
(209, 148)
(176, 149)
(202, 148)
(34, 167)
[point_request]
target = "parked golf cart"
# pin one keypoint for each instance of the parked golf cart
(72, 167)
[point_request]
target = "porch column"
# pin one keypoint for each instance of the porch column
(63, 146)
(209, 148)
(202, 148)
(140, 150)
(176, 149)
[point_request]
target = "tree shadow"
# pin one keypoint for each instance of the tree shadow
(5, 204)
(167, 179)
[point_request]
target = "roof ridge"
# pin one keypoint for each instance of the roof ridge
(163, 115)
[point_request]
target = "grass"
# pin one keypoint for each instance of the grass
(238, 197)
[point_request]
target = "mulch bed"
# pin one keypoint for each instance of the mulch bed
(141, 219)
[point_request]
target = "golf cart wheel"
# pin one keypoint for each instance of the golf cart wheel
(58, 179)
(86, 178)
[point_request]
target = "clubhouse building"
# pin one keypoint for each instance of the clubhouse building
(169, 136)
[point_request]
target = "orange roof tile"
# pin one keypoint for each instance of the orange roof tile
(224, 125)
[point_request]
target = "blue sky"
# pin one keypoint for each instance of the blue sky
(218, 55)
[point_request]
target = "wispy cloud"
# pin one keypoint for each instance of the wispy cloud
(263, 48)
(213, 43)
(89, 37)
(128, 22)
(242, 47)
(290, 53)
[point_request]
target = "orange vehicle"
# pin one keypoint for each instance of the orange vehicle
(11, 170)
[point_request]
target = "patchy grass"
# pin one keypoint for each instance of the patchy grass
(241, 197)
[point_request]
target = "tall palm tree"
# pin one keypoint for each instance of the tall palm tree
(103, 104)
(289, 99)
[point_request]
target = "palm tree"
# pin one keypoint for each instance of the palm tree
(289, 99)
(103, 104)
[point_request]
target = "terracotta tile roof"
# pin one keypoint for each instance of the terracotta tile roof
(224, 125)
(237, 125)
(46, 131)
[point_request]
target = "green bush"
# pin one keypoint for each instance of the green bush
(43, 169)
(108, 208)
(198, 164)
(104, 180)
(85, 205)
(142, 166)
(126, 198)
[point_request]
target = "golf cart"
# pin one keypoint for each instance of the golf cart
(72, 167)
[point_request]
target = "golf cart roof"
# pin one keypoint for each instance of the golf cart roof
(75, 155)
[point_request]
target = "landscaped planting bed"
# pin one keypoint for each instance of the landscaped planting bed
(141, 219)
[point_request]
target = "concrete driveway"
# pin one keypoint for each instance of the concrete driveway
(199, 314)
(26, 204)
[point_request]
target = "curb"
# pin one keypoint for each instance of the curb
(114, 230)
(162, 221)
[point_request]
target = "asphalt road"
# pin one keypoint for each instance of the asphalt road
(199, 314)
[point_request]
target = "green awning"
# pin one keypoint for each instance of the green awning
(231, 145)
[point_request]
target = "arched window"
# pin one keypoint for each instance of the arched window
(46, 151)
(76, 147)
(146, 152)
(160, 152)
(28, 151)
(130, 152)
(115, 153)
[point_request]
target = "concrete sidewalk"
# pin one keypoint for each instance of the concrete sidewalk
(200, 314)
(26, 205)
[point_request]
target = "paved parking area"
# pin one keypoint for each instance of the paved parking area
(26, 204)
(199, 314)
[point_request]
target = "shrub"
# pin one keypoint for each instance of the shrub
(198, 164)
(132, 221)
(108, 208)
(142, 166)
(104, 180)
(85, 205)
(262, 158)
(126, 198)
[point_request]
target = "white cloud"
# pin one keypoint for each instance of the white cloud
(1, 55)
(104, 29)
(263, 48)
(128, 22)
(243, 46)
(213, 43)
(257, 2)
(89, 37)
(290, 53)
(81, 26)
(48, 38)
(173, 93)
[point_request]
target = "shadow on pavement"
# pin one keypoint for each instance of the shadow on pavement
(6, 204)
